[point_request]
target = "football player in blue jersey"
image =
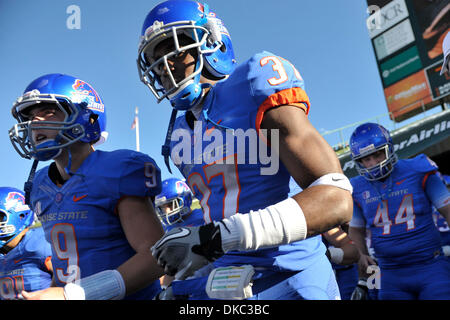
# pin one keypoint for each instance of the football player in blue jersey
(173, 205)
(25, 255)
(394, 199)
(341, 252)
(95, 206)
(186, 55)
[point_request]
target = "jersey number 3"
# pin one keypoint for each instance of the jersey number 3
(277, 66)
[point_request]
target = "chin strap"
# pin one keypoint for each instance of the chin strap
(69, 164)
(29, 183)
(165, 150)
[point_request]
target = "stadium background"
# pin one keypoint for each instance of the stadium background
(418, 120)
(409, 60)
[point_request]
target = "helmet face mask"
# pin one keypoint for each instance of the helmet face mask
(83, 110)
(154, 69)
(366, 140)
(21, 134)
(208, 37)
(170, 211)
(174, 202)
(379, 170)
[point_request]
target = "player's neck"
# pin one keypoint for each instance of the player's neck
(196, 111)
(78, 153)
(14, 242)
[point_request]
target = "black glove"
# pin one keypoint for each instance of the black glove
(361, 291)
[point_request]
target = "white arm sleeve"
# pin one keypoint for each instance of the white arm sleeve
(275, 225)
(278, 224)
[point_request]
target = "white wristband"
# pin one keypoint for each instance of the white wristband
(446, 250)
(336, 254)
(104, 285)
(334, 179)
(73, 291)
(278, 224)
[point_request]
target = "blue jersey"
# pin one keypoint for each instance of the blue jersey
(80, 218)
(442, 226)
(192, 220)
(224, 159)
(26, 267)
(399, 214)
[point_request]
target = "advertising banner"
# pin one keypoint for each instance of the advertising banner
(408, 94)
(407, 37)
(385, 15)
(400, 66)
(393, 40)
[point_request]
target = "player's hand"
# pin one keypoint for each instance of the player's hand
(364, 262)
(361, 291)
(52, 293)
(182, 251)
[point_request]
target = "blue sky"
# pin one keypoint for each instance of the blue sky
(326, 40)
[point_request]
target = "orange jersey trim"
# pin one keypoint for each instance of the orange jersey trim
(292, 96)
(425, 178)
(48, 263)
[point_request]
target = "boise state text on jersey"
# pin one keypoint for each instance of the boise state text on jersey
(398, 213)
(80, 219)
(226, 180)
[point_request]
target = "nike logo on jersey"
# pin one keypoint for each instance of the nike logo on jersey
(183, 232)
(334, 179)
(18, 260)
(400, 182)
(76, 199)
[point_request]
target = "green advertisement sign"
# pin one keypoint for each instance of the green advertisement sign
(400, 66)
(410, 140)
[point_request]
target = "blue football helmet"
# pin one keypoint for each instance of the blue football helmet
(85, 118)
(15, 215)
(367, 139)
(174, 201)
(209, 38)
